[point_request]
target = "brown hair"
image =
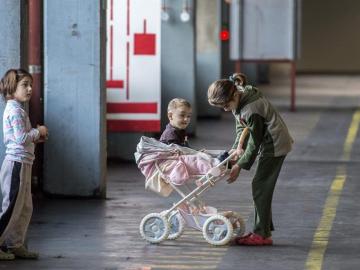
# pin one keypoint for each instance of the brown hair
(177, 102)
(221, 91)
(10, 80)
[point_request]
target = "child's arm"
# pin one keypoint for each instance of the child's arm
(44, 133)
(18, 123)
(256, 127)
(235, 171)
(238, 129)
(242, 139)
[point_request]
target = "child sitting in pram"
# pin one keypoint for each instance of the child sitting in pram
(175, 161)
(179, 114)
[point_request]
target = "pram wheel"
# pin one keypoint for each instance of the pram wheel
(177, 225)
(237, 222)
(217, 230)
(154, 228)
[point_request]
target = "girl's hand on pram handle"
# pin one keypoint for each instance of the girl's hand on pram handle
(234, 173)
(239, 151)
(236, 154)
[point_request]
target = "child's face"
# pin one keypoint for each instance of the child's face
(180, 117)
(23, 90)
(232, 104)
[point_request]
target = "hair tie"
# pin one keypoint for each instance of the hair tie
(231, 78)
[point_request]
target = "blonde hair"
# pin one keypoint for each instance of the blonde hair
(178, 102)
(8, 83)
(221, 91)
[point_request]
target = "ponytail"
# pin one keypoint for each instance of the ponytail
(239, 80)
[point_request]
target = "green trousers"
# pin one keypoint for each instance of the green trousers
(263, 185)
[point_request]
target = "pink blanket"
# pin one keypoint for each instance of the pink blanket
(177, 164)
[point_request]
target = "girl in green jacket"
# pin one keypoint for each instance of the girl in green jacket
(269, 138)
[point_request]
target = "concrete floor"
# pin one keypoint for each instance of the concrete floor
(96, 234)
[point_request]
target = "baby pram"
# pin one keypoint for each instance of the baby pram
(218, 228)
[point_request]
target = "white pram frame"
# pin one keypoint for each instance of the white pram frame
(217, 228)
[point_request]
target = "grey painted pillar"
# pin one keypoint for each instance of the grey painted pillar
(122, 144)
(178, 74)
(227, 65)
(9, 48)
(208, 63)
(10, 32)
(74, 69)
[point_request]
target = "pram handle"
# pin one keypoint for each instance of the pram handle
(239, 148)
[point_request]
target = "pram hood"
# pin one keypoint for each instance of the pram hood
(161, 163)
(149, 145)
(148, 152)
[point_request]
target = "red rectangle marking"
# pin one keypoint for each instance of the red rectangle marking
(133, 125)
(144, 44)
(134, 107)
(115, 84)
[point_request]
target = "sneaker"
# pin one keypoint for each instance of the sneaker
(5, 256)
(253, 239)
(244, 236)
(23, 253)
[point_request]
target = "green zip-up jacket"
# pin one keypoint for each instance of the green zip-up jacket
(269, 135)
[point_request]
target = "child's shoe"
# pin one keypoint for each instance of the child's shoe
(23, 253)
(253, 239)
(5, 256)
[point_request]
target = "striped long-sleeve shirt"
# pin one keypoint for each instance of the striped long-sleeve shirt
(19, 136)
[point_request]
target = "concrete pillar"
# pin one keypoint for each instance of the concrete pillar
(228, 65)
(10, 30)
(178, 74)
(9, 49)
(208, 53)
(74, 91)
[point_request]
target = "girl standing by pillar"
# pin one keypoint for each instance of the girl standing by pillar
(15, 176)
